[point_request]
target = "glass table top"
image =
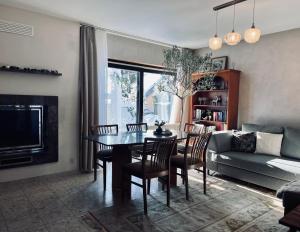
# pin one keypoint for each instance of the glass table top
(131, 138)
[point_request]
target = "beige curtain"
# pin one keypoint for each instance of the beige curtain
(175, 112)
(89, 96)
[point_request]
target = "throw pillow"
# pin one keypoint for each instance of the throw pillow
(268, 143)
(243, 141)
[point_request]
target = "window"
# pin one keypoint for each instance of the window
(131, 95)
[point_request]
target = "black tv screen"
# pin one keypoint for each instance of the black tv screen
(20, 127)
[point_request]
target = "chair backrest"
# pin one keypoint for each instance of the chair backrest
(162, 149)
(137, 127)
(199, 144)
(194, 128)
(105, 129)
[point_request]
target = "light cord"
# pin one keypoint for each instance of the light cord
(253, 15)
(217, 23)
(233, 17)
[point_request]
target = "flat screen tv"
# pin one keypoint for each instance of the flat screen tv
(21, 128)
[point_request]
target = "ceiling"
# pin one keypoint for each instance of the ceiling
(186, 23)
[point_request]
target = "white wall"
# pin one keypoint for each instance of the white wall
(55, 45)
(122, 48)
(270, 79)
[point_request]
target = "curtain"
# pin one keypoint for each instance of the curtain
(102, 59)
(89, 95)
(175, 112)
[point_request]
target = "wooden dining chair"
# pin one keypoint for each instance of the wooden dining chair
(102, 152)
(195, 159)
(190, 128)
(158, 164)
(133, 127)
(137, 150)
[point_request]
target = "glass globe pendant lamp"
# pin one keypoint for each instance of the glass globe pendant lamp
(252, 35)
(215, 42)
(232, 38)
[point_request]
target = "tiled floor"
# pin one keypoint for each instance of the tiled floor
(57, 202)
(53, 203)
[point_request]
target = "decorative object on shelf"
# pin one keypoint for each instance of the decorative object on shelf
(252, 35)
(219, 63)
(217, 100)
(215, 42)
(159, 130)
(202, 100)
(180, 64)
(232, 38)
(8, 68)
(205, 83)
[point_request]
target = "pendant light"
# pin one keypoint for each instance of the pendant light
(232, 38)
(252, 35)
(215, 42)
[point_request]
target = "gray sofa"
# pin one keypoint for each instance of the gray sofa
(262, 169)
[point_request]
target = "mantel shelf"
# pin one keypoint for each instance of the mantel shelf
(37, 72)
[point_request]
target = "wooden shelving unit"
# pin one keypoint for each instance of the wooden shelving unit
(227, 110)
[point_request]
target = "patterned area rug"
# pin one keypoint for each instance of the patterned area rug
(226, 207)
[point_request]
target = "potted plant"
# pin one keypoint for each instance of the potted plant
(180, 64)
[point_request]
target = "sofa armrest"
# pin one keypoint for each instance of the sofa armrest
(220, 142)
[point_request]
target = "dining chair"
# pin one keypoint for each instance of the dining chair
(195, 159)
(137, 150)
(102, 152)
(133, 127)
(158, 164)
(190, 128)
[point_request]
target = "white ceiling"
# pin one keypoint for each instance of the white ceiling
(187, 23)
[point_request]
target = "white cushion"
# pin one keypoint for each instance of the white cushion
(268, 143)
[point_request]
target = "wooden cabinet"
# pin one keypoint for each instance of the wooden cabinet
(223, 111)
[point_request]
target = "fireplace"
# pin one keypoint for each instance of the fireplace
(28, 130)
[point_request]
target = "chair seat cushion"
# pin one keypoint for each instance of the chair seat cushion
(181, 148)
(273, 166)
(136, 169)
(178, 161)
(104, 154)
(136, 150)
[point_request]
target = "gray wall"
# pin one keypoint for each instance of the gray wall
(55, 45)
(270, 79)
(122, 48)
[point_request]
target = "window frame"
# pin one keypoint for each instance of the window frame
(141, 69)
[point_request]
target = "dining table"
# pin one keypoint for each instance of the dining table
(121, 143)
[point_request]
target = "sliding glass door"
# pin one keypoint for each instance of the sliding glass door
(157, 105)
(132, 96)
(121, 100)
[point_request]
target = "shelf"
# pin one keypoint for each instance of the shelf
(211, 106)
(208, 122)
(36, 71)
(213, 90)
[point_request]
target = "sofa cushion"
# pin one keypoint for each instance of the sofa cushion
(291, 143)
(220, 141)
(243, 141)
(268, 143)
(248, 127)
(273, 166)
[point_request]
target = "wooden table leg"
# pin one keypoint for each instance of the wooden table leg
(121, 156)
